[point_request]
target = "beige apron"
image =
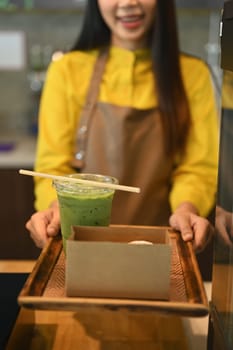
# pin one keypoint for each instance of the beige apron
(125, 143)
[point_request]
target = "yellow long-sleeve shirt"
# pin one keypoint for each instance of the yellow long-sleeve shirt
(128, 80)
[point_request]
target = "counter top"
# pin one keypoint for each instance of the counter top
(109, 329)
(17, 151)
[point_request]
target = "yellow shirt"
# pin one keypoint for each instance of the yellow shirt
(127, 81)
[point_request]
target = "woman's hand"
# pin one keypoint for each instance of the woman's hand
(192, 226)
(44, 224)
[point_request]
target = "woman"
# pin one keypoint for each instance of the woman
(134, 108)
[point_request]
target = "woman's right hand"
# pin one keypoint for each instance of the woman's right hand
(44, 224)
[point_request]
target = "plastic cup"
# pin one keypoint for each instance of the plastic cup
(84, 204)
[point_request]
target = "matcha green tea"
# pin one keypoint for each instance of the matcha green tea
(84, 205)
(84, 210)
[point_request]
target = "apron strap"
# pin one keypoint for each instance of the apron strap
(78, 161)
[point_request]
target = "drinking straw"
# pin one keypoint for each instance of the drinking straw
(82, 181)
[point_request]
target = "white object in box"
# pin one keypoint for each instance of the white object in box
(100, 262)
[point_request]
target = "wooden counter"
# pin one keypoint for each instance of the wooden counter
(92, 330)
(89, 329)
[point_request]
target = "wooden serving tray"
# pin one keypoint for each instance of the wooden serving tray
(45, 287)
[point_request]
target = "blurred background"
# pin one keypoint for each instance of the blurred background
(33, 30)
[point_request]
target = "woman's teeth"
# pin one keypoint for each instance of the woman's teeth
(130, 19)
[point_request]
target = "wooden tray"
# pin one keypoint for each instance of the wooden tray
(45, 286)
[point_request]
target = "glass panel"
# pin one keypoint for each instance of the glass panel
(222, 286)
(222, 294)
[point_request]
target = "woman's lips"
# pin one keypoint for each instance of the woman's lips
(130, 22)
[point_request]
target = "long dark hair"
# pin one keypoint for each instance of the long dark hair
(163, 41)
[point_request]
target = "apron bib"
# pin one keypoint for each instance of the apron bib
(126, 143)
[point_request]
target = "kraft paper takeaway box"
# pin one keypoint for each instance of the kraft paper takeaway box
(103, 262)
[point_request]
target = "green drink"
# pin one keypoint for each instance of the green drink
(84, 205)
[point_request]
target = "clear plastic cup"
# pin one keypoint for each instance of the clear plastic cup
(84, 205)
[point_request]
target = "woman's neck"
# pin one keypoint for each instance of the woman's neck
(129, 45)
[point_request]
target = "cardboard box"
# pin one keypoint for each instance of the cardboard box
(100, 262)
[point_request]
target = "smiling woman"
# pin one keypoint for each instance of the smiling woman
(129, 21)
(125, 102)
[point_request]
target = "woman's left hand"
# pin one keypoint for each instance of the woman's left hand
(192, 226)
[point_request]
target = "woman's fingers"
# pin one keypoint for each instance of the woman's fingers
(44, 224)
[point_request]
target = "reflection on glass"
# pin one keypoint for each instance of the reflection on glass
(222, 294)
